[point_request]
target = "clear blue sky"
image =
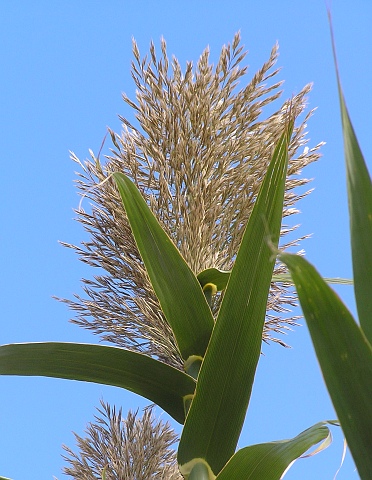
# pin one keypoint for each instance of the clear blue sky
(64, 66)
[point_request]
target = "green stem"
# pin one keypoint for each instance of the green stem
(200, 471)
(209, 289)
(192, 366)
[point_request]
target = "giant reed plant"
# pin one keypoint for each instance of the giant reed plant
(198, 153)
(190, 285)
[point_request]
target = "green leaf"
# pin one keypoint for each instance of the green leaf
(217, 412)
(216, 276)
(220, 278)
(344, 355)
(179, 292)
(269, 461)
(160, 383)
(360, 212)
(286, 278)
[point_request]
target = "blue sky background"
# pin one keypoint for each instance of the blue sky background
(64, 66)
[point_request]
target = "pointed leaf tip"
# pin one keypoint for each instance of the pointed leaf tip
(177, 288)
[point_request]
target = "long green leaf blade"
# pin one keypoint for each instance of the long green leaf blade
(360, 212)
(160, 383)
(269, 461)
(221, 277)
(344, 355)
(225, 381)
(179, 293)
(286, 278)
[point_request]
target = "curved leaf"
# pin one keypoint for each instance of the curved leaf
(286, 278)
(221, 277)
(359, 189)
(160, 383)
(179, 293)
(216, 276)
(226, 376)
(344, 355)
(269, 461)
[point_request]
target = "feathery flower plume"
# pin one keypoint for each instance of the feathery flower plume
(198, 152)
(124, 449)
